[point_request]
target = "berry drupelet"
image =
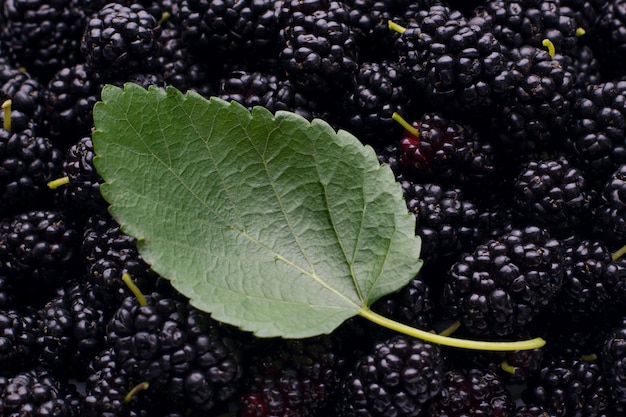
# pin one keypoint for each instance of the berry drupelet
(318, 52)
(554, 194)
(120, 39)
(569, 387)
(614, 361)
(38, 249)
(295, 377)
(397, 378)
(18, 340)
(588, 288)
(69, 99)
(42, 37)
(27, 163)
(536, 92)
(609, 221)
(528, 22)
(471, 392)
(597, 130)
(380, 90)
(444, 151)
(238, 32)
(108, 253)
(503, 284)
(80, 197)
(26, 95)
(188, 359)
(36, 392)
(248, 88)
(71, 330)
(452, 61)
(445, 221)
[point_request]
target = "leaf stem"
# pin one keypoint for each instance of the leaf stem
(449, 341)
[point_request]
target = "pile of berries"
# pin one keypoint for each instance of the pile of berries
(503, 120)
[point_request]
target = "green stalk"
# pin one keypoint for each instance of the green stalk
(450, 341)
(406, 125)
(618, 253)
(6, 106)
(139, 387)
(54, 184)
(134, 289)
(548, 44)
(396, 27)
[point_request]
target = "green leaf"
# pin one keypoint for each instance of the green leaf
(269, 222)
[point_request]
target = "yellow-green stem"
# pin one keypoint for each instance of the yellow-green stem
(450, 341)
(139, 387)
(54, 184)
(396, 27)
(6, 106)
(580, 32)
(618, 253)
(406, 125)
(548, 44)
(134, 289)
(164, 17)
(507, 368)
(450, 329)
(592, 357)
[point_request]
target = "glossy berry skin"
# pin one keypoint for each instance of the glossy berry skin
(554, 194)
(503, 284)
(38, 248)
(71, 329)
(397, 378)
(290, 377)
(614, 362)
(452, 62)
(36, 392)
(42, 36)
(187, 358)
(318, 50)
(27, 163)
(599, 120)
(18, 336)
(569, 387)
(108, 253)
(81, 195)
(120, 39)
(445, 219)
(380, 89)
(472, 392)
(610, 223)
(69, 99)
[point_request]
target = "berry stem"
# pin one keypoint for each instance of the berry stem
(406, 125)
(6, 106)
(54, 184)
(450, 329)
(139, 387)
(134, 289)
(548, 44)
(450, 341)
(504, 365)
(396, 27)
(618, 253)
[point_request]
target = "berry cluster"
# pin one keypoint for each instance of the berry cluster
(503, 120)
